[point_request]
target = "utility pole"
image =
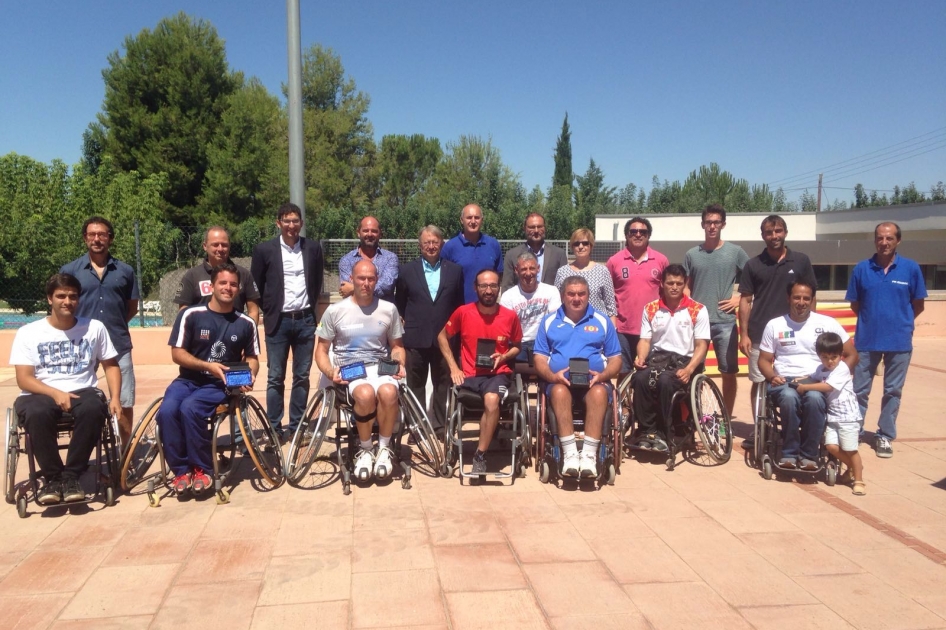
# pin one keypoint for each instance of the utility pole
(820, 175)
(296, 157)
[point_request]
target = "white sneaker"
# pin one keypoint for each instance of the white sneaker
(364, 463)
(383, 463)
(588, 467)
(570, 465)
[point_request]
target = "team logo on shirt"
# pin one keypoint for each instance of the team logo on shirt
(206, 287)
(204, 334)
(217, 351)
(233, 337)
(786, 334)
(590, 328)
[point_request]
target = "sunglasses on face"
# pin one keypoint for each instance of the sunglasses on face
(636, 232)
(581, 244)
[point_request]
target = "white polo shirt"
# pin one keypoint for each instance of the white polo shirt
(675, 330)
(295, 294)
(793, 343)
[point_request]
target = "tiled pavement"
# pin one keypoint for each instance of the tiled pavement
(697, 547)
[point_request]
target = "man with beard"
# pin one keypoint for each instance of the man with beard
(484, 319)
(369, 248)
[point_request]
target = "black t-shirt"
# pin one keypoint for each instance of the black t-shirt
(214, 337)
(195, 287)
(767, 281)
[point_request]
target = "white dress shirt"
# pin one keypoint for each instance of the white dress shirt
(295, 294)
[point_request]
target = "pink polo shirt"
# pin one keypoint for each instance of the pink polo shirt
(636, 282)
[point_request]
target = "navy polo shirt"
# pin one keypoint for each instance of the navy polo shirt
(473, 258)
(592, 337)
(106, 298)
(767, 280)
(885, 319)
(213, 337)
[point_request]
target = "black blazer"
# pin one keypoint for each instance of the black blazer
(555, 257)
(266, 270)
(424, 317)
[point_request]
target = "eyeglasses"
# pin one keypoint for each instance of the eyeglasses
(636, 232)
(581, 244)
(290, 221)
(494, 287)
(712, 223)
(96, 234)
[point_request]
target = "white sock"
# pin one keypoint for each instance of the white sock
(383, 441)
(568, 445)
(367, 445)
(589, 447)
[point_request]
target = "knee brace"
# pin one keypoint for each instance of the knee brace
(368, 417)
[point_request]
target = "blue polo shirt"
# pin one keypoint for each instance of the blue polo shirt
(473, 258)
(592, 337)
(106, 298)
(885, 319)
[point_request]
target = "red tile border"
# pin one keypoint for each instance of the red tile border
(926, 439)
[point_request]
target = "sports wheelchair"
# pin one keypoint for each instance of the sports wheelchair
(466, 406)
(107, 455)
(699, 423)
(767, 445)
(240, 423)
(549, 453)
(332, 406)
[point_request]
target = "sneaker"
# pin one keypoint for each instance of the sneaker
(182, 483)
(571, 465)
(809, 465)
(588, 467)
(643, 442)
(364, 464)
(787, 462)
(72, 491)
(882, 446)
(479, 466)
(200, 481)
(50, 494)
(383, 463)
(658, 444)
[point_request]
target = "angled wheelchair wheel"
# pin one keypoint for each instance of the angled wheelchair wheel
(12, 455)
(625, 400)
(261, 441)
(450, 450)
(711, 418)
(142, 449)
(419, 425)
(306, 443)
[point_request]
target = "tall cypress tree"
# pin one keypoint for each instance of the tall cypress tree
(564, 176)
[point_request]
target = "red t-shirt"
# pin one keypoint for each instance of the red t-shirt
(471, 324)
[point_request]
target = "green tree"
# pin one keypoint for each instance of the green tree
(592, 196)
(405, 164)
(563, 175)
(164, 98)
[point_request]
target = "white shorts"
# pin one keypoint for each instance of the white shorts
(372, 379)
(844, 434)
(755, 376)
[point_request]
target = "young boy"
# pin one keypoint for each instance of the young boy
(833, 378)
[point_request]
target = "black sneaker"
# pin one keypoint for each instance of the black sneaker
(658, 444)
(50, 494)
(882, 446)
(72, 491)
(479, 466)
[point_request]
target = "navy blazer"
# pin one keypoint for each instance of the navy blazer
(266, 270)
(555, 257)
(423, 316)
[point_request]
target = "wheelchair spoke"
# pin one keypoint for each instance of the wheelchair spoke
(307, 441)
(711, 419)
(262, 444)
(142, 449)
(419, 425)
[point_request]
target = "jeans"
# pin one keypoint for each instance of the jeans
(807, 411)
(895, 375)
(182, 419)
(297, 335)
(726, 346)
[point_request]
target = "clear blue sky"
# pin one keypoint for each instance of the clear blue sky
(768, 90)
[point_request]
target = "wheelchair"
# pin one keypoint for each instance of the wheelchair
(465, 406)
(107, 456)
(332, 407)
(240, 423)
(699, 423)
(549, 453)
(767, 446)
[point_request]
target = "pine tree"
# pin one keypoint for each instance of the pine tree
(564, 176)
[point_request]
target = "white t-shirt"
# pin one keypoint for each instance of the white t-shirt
(531, 308)
(675, 331)
(793, 343)
(842, 402)
(63, 359)
(360, 333)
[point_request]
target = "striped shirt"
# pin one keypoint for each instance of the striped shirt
(842, 402)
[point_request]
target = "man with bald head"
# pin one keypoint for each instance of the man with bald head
(196, 287)
(887, 293)
(369, 248)
(473, 250)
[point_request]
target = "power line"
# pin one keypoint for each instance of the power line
(856, 172)
(864, 157)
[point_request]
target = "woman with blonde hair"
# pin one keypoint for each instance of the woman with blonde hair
(600, 287)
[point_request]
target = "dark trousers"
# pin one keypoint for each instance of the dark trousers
(297, 335)
(652, 410)
(41, 414)
(419, 362)
(182, 419)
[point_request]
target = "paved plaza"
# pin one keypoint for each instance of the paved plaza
(714, 547)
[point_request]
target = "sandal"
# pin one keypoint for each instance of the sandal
(860, 488)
